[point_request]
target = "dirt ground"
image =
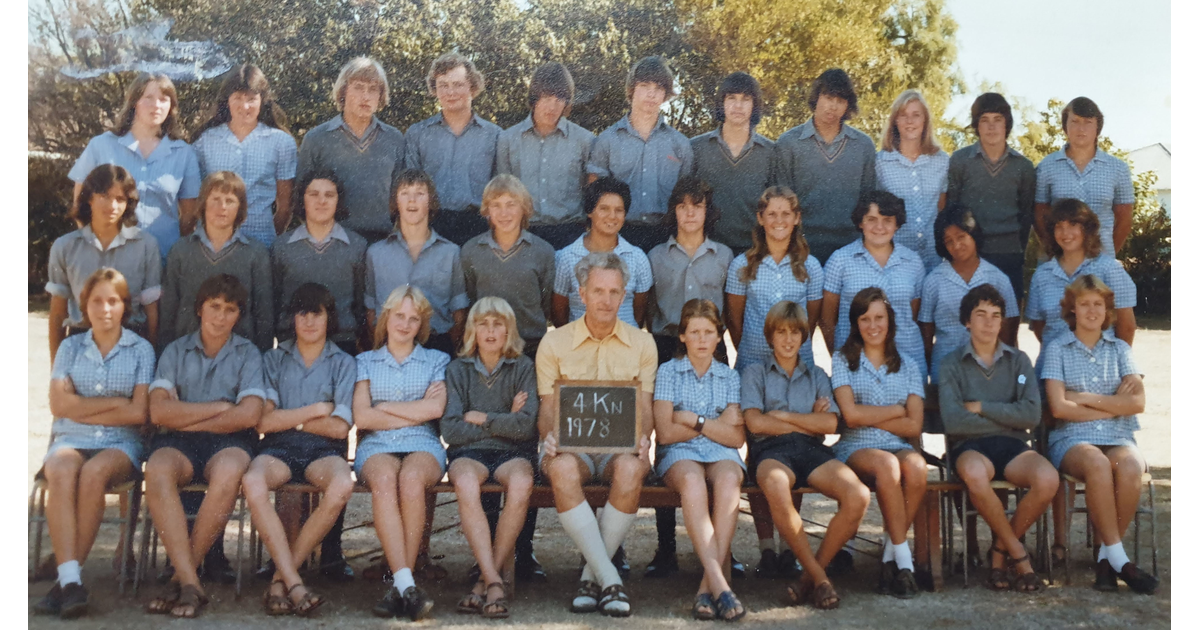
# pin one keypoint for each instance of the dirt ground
(663, 604)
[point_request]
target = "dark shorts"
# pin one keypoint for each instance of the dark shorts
(1013, 266)
(800, 452)
(298, 450)
(559, 235)
(667, 345)
(999, 449)
(200, 446)
(493, 459)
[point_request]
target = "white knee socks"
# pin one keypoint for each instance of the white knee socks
(580, 524)
(614, 525)
(68, 573)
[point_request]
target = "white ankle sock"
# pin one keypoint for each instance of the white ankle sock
(402, 579)
(889, 550)
(580, 524)
(68, 573)
(1102, 554)
(1115, 554)
(904, 558)
(766, 543)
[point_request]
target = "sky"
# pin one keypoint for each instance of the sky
(1116, 52)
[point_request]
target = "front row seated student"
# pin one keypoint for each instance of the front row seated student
(989, 400)
(206, 400)
(490, 424)
(698, 424)
(1095, 390)
(881, 396)
(98, 395)
(306, 418)
(597, 346)
(789, 410)
(398, 399)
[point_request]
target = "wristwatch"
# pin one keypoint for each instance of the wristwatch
(300, 427)
(699, 427)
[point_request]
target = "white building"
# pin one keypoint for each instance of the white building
(1155, 157)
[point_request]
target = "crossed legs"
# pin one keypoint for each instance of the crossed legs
(711, 533)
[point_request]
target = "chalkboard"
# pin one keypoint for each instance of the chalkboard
(598, 416)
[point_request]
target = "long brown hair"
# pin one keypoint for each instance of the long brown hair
(797, 247)
(245, 78)
(170, 127)
(852, 349)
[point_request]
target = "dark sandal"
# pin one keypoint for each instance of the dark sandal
(472, 602)
(704, 609)
(824, 597)
(799, 592)
(190, 596)
(497, 608)
(729, 608)
(165, 601)
(998, 578)
(427, 571)
(309, 601)
(276, 605)
(1024, 582)
(611, 594)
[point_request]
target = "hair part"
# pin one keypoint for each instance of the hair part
(98, 182)
(1083, 107)
(834, 82)
(245, 78)
(554, 80)
(119, 284)
(739, 83)
(448, 62)
(492, 306)
(785, 315)
(225, 286)
(393, 302)
(1078, 212)
(412, 177)
(653, 69)
(955, 215)
(312, 297)
(982, 294)
(360, 69)
(853, 348)
(1088, 283)
(170, 127)
(991, 103)
(891, 133)
(301, 191)
(225, 182)
(505, 184)
(797, 246)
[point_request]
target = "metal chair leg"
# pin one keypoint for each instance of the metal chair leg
(144, 554)
(40, 517)
(1153, 531)
(1069, 491)
(237, 589)
(130, 525)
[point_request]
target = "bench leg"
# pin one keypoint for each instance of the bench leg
(927, 541)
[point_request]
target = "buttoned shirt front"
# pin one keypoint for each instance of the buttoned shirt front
(1096, 370)
(920, 184)
(75, 256)
(767, 387)
(460, 165)
(128, 364)
(437, 271)
(264, 157)
(942, 297)
(773, 283)
(650, 166)
(706, 395)
(877, 387)
(641, 278)
(1105, 182)
(852, 269)
(679, 278)
(170, 173)
(571, 352)
(737, 183)
(552, 167)
(1050, 282)
(291, 384)
(404, 381)
(235, 373)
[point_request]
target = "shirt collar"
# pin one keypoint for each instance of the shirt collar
(898, 251)
(660, 124)
(203, 236)
(194, 341)
(897, 156)
(1080, 270)
(127, 338)
(706, 246)
(439, 119)
(526, 126)
(302, 233)
(482, 369)
(340, 123)
(581, 333)
(229, 136)
(683, 365)
(1100, 156)
(124, 235)
(382, 355)
(490, 241)
(801, 367)
(396, 236)
(755, 137)
(968, 350)
(809, 129)
(977, 150)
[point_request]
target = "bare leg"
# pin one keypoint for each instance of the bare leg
(1090, 464)
(566, 473)
(776, 481)
(626, 474)
(224, 475)
(1128, 466)
(726, 479)
(332, 475)
(836, 481)
(98, 473)
(62, 478)
(915, 476)
(764, 527)
(382, 471)
(884, 468)
(418, 473)
(468, 475)
(264, 475)
(688, 479)
(516, 475)
(166, 472)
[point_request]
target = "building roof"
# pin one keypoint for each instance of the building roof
(1155, 157)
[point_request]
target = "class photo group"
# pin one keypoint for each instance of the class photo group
(236, 302)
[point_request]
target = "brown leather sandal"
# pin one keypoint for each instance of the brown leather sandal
(276, 605)
(824, 597)
(165, 601)
(998, 579)
(497, 608)
(472, 602)
(1025, 582)
(190, 596)
(309, 602)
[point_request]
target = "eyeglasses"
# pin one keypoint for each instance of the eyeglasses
(452, 86)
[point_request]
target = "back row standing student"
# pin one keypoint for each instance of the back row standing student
(996, 184)
(455, 146)
(148, 143)
(735, 160)
(549, 154)
(827, 163)
(365, 154)
(643, 151)
(912, 166)
(248, 135)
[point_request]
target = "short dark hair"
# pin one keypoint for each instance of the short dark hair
(603, 186)
(225, 286)
(1083, 107)
(341, 213)
(991, 103)
(409, 177)
(982, 294)
(99, 182)
(961, 218)
(554, 80)
(889, 206)
(834, 82)
(739, 83)
(696, 189)
(312, 297)
(652, 69)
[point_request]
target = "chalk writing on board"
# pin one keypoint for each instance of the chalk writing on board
(598, 416)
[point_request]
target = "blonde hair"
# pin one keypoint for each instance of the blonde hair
(226, 182)
(360, 69)
(1088, 284)
(393, 302)
(891, 135)
(492, 306)
(505, 184)
(117, 280)
(785, 314)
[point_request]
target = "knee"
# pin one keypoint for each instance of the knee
(465, 482)
(254, 485)
(914, 471)
(61, 469)
(1127, 470)
(774, 482)
(728, 479)
(159, 471)
(1045, 482)
(887, 472)
(227, 473)
(973, 473)
(562, 470)
(629, 470)
(340, 489)
(856, 499)
(520, 486)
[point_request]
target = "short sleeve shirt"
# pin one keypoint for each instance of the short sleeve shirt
(767, 387)
(128, 364)
(920, 184)
(292, 385)
(404, 381)
(1050, 282)
(437, 271)
(170, 173)
(679, 278)
(852, 269)
(266, 156)
(878, 388)
(75, 256)
(1105, 182)
(773, 283)
(460, 165)
(1096, 370)
(553, 168)
(235, 373)
(942, 296)
(706, 395)
(650, 167)
(571, 352)
(641, 278)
